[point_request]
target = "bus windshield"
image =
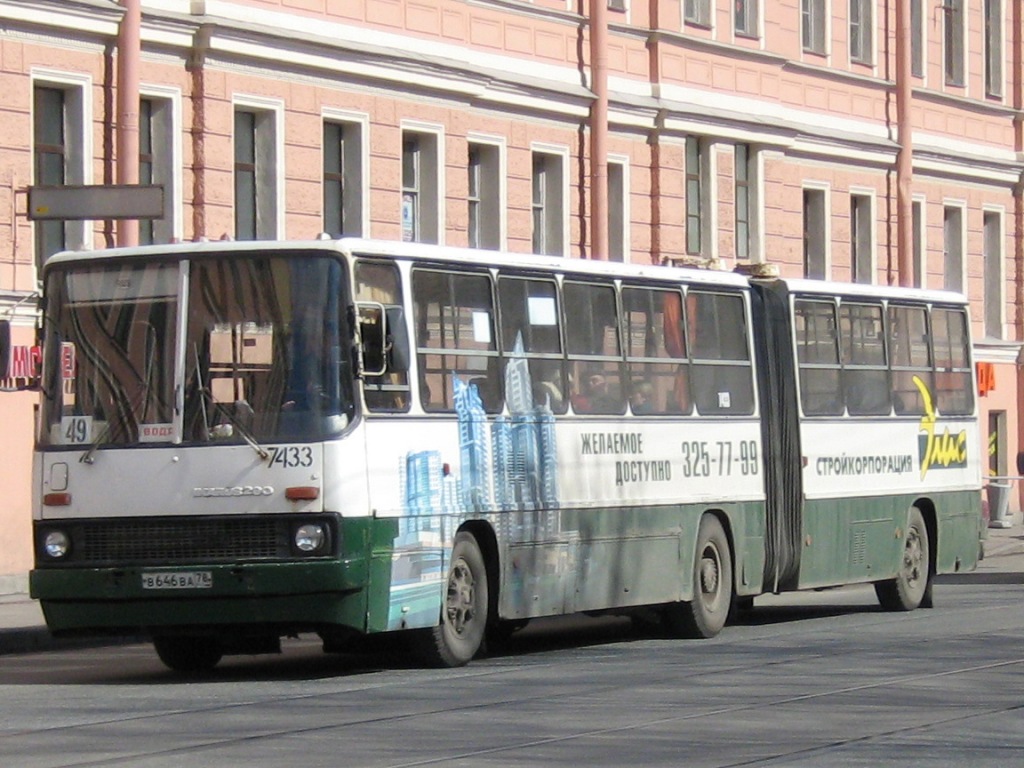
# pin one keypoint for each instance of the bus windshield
(215, 349)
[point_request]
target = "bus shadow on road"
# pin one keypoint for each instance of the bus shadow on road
(1002, 577)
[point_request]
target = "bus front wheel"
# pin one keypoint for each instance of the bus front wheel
(705, 615)
(912, 585)
(188, 654)
(460, 633)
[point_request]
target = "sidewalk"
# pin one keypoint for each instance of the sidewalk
(23, 630)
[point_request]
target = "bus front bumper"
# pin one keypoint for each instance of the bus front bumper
(265, 597)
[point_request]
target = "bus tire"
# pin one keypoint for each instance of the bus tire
(184, 653)
(460, 633)
(912, 585)
(706, 614)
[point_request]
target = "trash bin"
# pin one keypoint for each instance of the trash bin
(998, 504)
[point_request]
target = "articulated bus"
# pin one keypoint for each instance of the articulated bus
(239, 442)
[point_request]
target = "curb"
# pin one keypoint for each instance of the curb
(39, 640)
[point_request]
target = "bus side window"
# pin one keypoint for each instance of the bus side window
(817, 352)
(531, 344)
(379, 282)
(910, 358)
(592, 341)
(659, 372)
(954, 384)
(865, 374)
(723, 377)
(455, 340)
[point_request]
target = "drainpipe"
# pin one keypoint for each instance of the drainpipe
(599, 129)
(129, 47)
(905, 158)
(197, 69)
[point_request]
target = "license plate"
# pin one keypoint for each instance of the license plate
(178, 580)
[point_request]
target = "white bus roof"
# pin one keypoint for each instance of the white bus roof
(808, 287)
(418, 251)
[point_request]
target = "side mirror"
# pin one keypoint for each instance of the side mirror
(397, 337)
(1020, 463)
(372, 336)
(384, 339)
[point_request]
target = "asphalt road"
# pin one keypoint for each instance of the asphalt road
(816, 679)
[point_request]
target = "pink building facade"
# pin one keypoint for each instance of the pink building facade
(728, 132)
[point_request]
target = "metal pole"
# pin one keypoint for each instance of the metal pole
(129, 46)
(905, 158)
(599, 129)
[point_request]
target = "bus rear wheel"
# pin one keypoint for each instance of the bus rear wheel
(912, 585)
(460, 633)
(186, 653)
(706, 614)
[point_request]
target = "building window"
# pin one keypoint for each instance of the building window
(616, 5)
(953, 248)
(617, 211)
(917, 219)
(343, 179)
(861, 240)
(861, 31)
(548, 209)
(156, 164)
(146, 163)
(50, 149)
(994, 295)
(255, 175)
(814, 234)
(420, 200)
(813, 21)
(697, 12)
(994, 47)
(916, 38)
(953, 26)
(484, 199)
(745, 17)
(743, 197)
(694, 195)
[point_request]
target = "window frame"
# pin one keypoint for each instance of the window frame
(746, 18)
(267, 167)
(861, 31)
(954, 52)
(814, 27)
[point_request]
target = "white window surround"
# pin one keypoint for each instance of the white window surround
(756, 212)
(827, 32)
(870, 228)
(562, 152)
(921, 269)
(961, 206)
(437, 131)
(173, 222)
(999, 276)
(78, 137)
(362, 119)
(275, 109)
(501, 144)
(826, 189)
(758, 31)
(871, 59)
(623, 162)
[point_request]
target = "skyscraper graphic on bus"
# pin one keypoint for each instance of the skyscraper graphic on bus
(509, 463)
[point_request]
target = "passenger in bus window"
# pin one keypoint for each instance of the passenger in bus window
(642, 400)
(596, 398)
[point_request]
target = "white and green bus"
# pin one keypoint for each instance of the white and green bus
(238, 442)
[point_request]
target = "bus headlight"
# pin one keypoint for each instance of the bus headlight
(310, 537)
(56, 544)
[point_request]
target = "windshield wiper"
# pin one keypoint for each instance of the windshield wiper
(206, 395)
